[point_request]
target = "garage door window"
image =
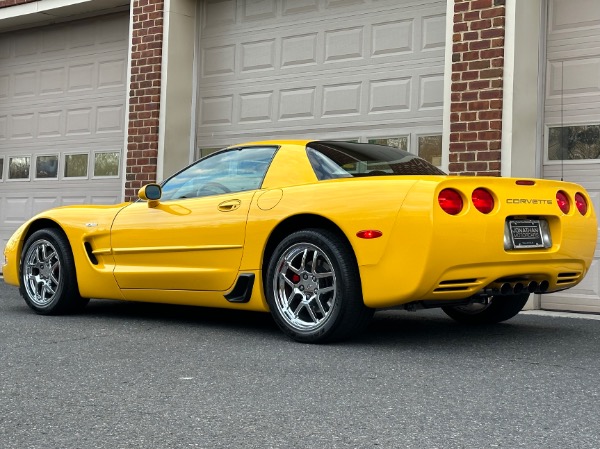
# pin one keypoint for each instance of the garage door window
(574, 142)
(430, 149)
(76, 165)
(46, 167)
(106, 164)
(396, 142)
(18, 168)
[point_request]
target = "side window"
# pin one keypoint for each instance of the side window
(228, 171)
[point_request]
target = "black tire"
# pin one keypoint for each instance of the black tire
(499, 308)
(313, 288)
(48, 279)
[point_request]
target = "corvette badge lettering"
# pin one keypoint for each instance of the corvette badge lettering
(527, 201)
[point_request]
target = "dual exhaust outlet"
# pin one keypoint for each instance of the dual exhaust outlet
(508, 288)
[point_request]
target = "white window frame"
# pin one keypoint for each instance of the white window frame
(75, 178)
(34, 166)
(9, 157)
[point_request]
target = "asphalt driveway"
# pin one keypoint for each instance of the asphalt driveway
(132, 375)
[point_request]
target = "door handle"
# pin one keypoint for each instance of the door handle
(230, 205)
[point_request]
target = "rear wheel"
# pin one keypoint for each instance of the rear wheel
(48, 281)
(313, 288)
(498, 308)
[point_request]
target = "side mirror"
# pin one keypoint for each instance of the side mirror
(150, 193)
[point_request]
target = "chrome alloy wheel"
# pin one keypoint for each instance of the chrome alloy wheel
(304, 286)
(41, 272)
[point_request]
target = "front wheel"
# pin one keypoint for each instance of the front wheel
(498, 308)
(313, 288)
(48, 282)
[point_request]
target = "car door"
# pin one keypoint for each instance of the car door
(193, 238)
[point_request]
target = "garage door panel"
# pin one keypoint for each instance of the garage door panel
(573, 99)
(69, 122)
(346, 39)
(565, 16)
(40, 84)
(320, 100)
(63, 92)
(349, 65)
(74, 40)
(17, 209)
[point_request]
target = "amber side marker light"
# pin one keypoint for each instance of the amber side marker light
(581, 203)
(450, 201)
(563, 202)
(369, 234)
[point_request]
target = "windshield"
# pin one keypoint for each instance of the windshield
(332, 160)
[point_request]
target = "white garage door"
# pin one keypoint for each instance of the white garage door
(573, 100)
(62, 114)
(344, 69)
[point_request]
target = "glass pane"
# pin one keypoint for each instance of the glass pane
(430, 149)
(106, 164)
(234, 170)
(76, 165)
(18, 167)
(46, 167)
(396, 142)
(331, 160)
(574, 142)
(1, 167)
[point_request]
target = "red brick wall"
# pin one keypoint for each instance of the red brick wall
(5, 3)
(476, 96)
(144, 95)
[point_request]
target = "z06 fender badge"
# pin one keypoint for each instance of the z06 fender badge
(91, 225)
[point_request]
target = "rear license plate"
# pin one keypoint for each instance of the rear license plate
(526, 234)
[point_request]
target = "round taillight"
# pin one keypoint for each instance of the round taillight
(563, 201)
(483, 201)
(450, 201)
(581, 203)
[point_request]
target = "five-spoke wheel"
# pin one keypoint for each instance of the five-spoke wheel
(305, 286)
(41, 272)
(313, 287)
(48, 279)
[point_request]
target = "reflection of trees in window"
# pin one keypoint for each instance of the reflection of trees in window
(106, 164)
(396, 142)
(76, 165)
(430, 149)
(46, 167)
(574, 142)
(1, 167)
(18, 168)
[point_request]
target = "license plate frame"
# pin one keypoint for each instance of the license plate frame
(526, 233)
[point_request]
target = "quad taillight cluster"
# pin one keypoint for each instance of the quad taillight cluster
(451, 201)
(564, 203)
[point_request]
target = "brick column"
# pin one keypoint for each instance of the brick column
(144, 95)
(5, 3)
(476, 93)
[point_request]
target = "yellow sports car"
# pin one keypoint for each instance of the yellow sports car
(318, 233)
